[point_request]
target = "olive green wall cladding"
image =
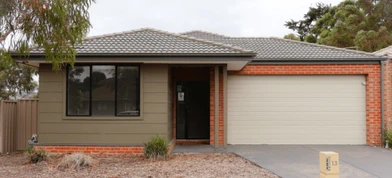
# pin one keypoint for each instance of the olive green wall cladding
(54, 127)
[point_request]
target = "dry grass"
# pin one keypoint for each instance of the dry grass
(182, 165)
(76, 161)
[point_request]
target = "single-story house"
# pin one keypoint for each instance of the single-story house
(207, 88)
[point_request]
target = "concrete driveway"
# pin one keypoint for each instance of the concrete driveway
(303, 161)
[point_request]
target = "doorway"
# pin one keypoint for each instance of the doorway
(193, 111)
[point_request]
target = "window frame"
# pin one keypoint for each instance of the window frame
(90, 65)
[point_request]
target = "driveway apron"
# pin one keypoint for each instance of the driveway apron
(303, 161)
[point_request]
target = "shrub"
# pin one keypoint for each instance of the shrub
(34, 156)
(156, 148)
(388, 136)
(76, 161)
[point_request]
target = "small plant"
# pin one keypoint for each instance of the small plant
(34, 156)
(388, 137)
(156, 148)
(76, 161)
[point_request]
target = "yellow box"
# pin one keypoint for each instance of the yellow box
(329, 163)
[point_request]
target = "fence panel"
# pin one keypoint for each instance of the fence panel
(8, 114)
(18, 121)
(27, 122)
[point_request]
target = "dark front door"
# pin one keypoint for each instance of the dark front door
(193, 113)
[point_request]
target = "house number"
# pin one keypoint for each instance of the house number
(330, 163)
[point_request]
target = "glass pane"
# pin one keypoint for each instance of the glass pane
(78, 91)
(103, 90)
(127, 91)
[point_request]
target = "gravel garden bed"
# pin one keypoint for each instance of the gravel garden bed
(180, 165)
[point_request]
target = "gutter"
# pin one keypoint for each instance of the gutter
(382, 104)
(250, 54)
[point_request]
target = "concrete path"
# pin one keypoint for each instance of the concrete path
(302, 161)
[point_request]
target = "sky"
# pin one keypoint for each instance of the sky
(253, 18)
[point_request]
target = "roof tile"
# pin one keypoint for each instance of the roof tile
(282, 49)
(151, 41)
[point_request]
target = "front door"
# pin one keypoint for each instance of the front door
(193, 113)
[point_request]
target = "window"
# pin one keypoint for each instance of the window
(103, 90)
(127, 96)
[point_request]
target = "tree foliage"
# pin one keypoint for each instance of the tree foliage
(304, 27)
(16, 79)
(291, 36)
(55, 26)
(366, 24)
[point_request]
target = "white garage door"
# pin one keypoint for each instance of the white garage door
(296, 109)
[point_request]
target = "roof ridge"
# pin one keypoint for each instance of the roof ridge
(224, 36)
(386, 49)
(325, 46)
(204, 41)
(201, 31)
(293, 41)
(114, 34)
(241, 50)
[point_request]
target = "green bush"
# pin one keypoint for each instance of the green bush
(388, 136)
(156, 148)
(34, 156)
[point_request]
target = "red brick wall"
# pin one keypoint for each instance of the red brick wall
(110, 150)
(212, 108)
(388, 95)
(373, 95)
(135, 150)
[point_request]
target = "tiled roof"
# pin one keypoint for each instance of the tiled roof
(272, 49)
(384, 52)
(150, 41)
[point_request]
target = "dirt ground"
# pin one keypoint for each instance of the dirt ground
(182, 165)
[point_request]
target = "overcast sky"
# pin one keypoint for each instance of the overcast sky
(229, 17)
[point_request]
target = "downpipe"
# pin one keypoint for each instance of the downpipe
(382, 103)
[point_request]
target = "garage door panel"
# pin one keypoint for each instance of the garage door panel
(309, 115)
(311, 88)
(303, 134)
(234, 101)
(284, 103)
(272, 79)
(343, 141)
(294, 121)
(296, 110)
(252, 94)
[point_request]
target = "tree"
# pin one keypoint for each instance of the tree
(16, 79)
(362, 23)
(55, 26)
(303, 28)
(291, 36)
(373, 41)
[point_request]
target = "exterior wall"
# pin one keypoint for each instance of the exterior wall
(54, 128)
(170, 106)
(110, 150)
(212, 107)
(373, 95)
(388, 94)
